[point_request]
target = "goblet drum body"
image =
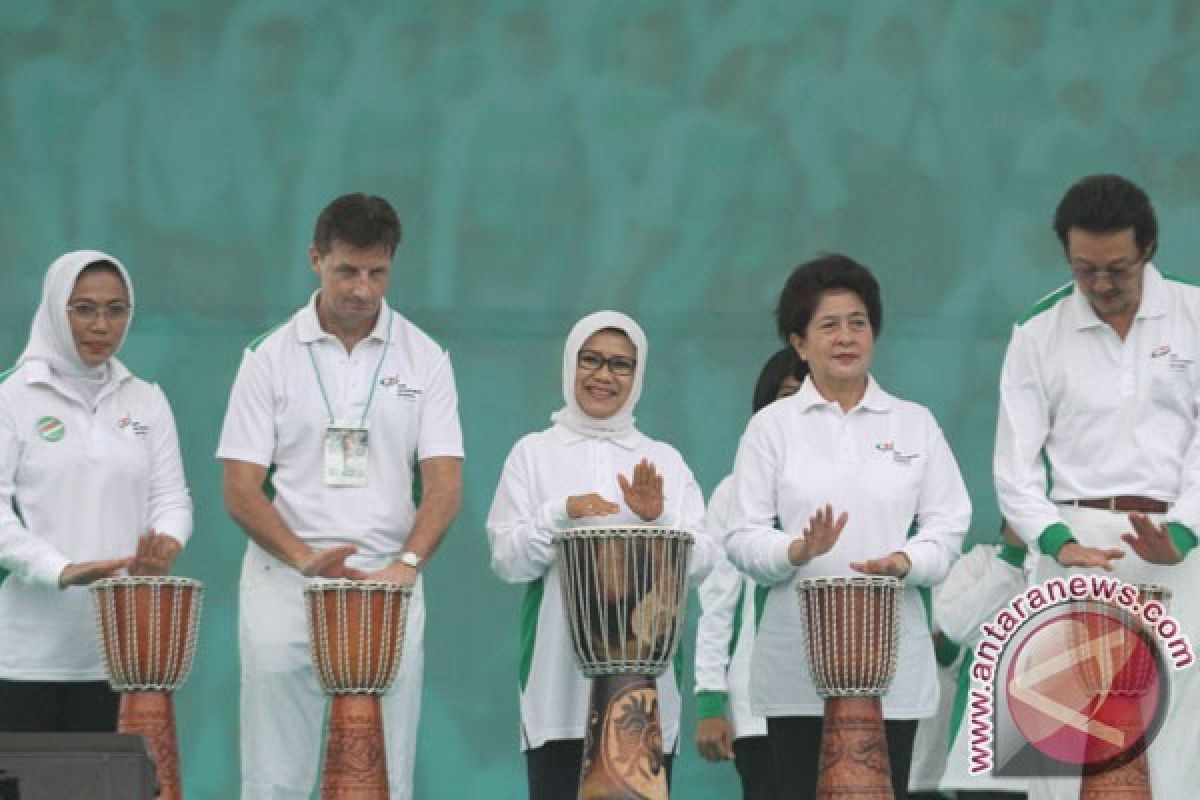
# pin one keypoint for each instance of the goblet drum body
(851, 631)
(148, 627)
(356, 632)
(624, 590)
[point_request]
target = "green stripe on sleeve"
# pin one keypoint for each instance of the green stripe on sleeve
(1182, 536)
(737, 617)
(1011, 554)
(531, 606)
(710, 704)
(1053, 539)
(760, 604)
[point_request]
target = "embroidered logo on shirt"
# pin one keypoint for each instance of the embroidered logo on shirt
(1160, 351)
(51, 429)
(897, 456)
(139, 429)
(402, 390)
(1178, 363)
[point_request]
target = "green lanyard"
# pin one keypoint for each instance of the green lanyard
(374, 378)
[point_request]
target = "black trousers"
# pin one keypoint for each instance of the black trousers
(553, 769)
(796, 749)
(57, 707)
(752, 757)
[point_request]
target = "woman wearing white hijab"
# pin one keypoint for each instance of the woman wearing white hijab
(591, 467)
(91, 483)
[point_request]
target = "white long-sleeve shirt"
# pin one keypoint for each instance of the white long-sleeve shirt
(886, 463)
(86, 485)
(1084, 414)
(529, 509)
(725, 630)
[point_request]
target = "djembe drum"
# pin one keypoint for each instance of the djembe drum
(1120, 668)
(624, 590)
(148, 628)
(851, 630)
(356, 631)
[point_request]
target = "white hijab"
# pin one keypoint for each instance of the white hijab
(50, 339)
(619, 427)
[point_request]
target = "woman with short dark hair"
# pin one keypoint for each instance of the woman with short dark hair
(849, 471)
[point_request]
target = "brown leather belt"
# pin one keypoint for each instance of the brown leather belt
(1125, 502)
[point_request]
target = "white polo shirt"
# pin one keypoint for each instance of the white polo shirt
(725, 630)
(398, 376)
(529, 509)
(87, 486)
(1103, 417)
(886, 463)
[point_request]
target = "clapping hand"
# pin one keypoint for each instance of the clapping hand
(644, 494)
(819, 537)
(155, 554)
(1151, 542)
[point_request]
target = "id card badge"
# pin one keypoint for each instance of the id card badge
(345, 455)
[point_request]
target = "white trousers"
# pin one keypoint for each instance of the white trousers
(283, 709)
(1175, 752)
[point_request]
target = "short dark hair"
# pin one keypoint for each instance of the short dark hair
(808, 282)
(783, 364)
(1107, 204)
(360, 220)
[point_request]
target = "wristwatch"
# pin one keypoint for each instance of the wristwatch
(410, 559)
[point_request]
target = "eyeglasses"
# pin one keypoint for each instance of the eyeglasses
(88, 312)
(1117, 272)
(591, 361)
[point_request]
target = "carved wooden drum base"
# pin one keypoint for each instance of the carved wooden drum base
(854, 756)
(151, 715)
(623, 752)
(355, 759)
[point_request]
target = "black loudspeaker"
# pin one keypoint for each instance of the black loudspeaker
(75, 766)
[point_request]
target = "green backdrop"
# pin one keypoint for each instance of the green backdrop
(669, 159)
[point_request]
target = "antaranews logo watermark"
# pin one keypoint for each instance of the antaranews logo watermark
(1072, 676)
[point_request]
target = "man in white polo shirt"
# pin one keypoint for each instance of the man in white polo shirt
(1097, 454)
(335, 409)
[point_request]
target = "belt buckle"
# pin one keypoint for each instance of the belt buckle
(1112, 504)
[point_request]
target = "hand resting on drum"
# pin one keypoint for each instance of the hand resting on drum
(83, 573)
(330, 563)
(590, 505)
(155, 554)
(895, 564)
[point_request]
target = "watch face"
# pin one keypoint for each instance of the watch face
(411, 559)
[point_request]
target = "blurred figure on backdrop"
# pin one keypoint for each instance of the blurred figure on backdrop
(91, 484)
(843, 468)
(591, 467)
(345, 367)
(1097, 446)
(729, 605)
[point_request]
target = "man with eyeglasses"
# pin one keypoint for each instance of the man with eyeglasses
(1097, 461)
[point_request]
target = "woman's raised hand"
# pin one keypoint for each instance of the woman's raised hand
(819, 537)
(643, 494)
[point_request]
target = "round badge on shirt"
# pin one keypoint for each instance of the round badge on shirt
(51, 429)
